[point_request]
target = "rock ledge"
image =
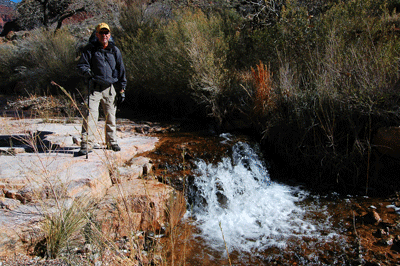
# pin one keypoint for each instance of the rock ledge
(38, 168)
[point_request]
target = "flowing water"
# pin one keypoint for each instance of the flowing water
(238, 210)
(237, 215)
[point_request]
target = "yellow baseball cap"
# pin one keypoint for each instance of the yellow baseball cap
(102, 26)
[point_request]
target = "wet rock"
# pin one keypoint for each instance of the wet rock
(372, 217)
(177, 183)
(381, 233)
(396, 243)
(222, 199)
(142, 129)
(357, 207)
(169, 167)
(386, 241)
(189, 156)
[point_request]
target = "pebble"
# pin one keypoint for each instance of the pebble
(396, 209)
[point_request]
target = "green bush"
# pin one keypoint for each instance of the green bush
(155, 71)
(206, 50)
(332, 74)
(37, 59)
(8, 66)
(178, 61)
(333, 94)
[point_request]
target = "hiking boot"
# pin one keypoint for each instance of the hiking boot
(84, 151)
(96, 146)
(113, 147)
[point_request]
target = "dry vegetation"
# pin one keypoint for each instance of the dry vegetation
(84, 229)
(312, 82)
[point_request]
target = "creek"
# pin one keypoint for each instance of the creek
(238, 215)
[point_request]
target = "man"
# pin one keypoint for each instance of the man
(101, 63)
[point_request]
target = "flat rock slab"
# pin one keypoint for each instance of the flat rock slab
(55, 166)
(46, 167)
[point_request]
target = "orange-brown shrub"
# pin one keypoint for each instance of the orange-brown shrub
(263, 96)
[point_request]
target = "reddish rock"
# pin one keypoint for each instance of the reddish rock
(10, 35)
(386, 241)
(381, 233)
(6, 14)
(140, 205)
(372, 217)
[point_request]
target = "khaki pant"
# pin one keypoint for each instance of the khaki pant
(90, 134)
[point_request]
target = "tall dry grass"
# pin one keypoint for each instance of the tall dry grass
(71, 226)
(333, 69)
(328, 86)
(29, 64)
(332, 99)
(180, 62)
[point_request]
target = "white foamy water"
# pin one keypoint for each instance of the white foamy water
(253, 212)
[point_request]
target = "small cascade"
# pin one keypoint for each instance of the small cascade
(236, 207)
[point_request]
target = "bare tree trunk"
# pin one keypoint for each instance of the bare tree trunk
(68, 15)
(44, 4)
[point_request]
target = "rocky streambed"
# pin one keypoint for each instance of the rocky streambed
(366, 229)
(146, 202)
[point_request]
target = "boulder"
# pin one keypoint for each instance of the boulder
(372, 217)
(140, 205)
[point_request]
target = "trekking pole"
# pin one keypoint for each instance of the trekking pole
(87, 120)
(77, 108)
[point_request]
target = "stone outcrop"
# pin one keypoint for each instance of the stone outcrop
(38, 168)
(143, 205)
(387, 141)
(7, 14)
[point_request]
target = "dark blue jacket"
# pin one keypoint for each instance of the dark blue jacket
(106, 65)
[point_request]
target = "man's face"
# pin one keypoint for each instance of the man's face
(103, 35)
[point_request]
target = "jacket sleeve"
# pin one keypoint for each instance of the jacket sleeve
(120, 70)
(83, 66)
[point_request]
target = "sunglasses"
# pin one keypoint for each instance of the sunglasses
(104, 32)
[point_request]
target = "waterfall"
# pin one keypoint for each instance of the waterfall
(236, 199)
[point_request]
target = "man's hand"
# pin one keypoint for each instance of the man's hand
(120, 97)
(88, 74)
